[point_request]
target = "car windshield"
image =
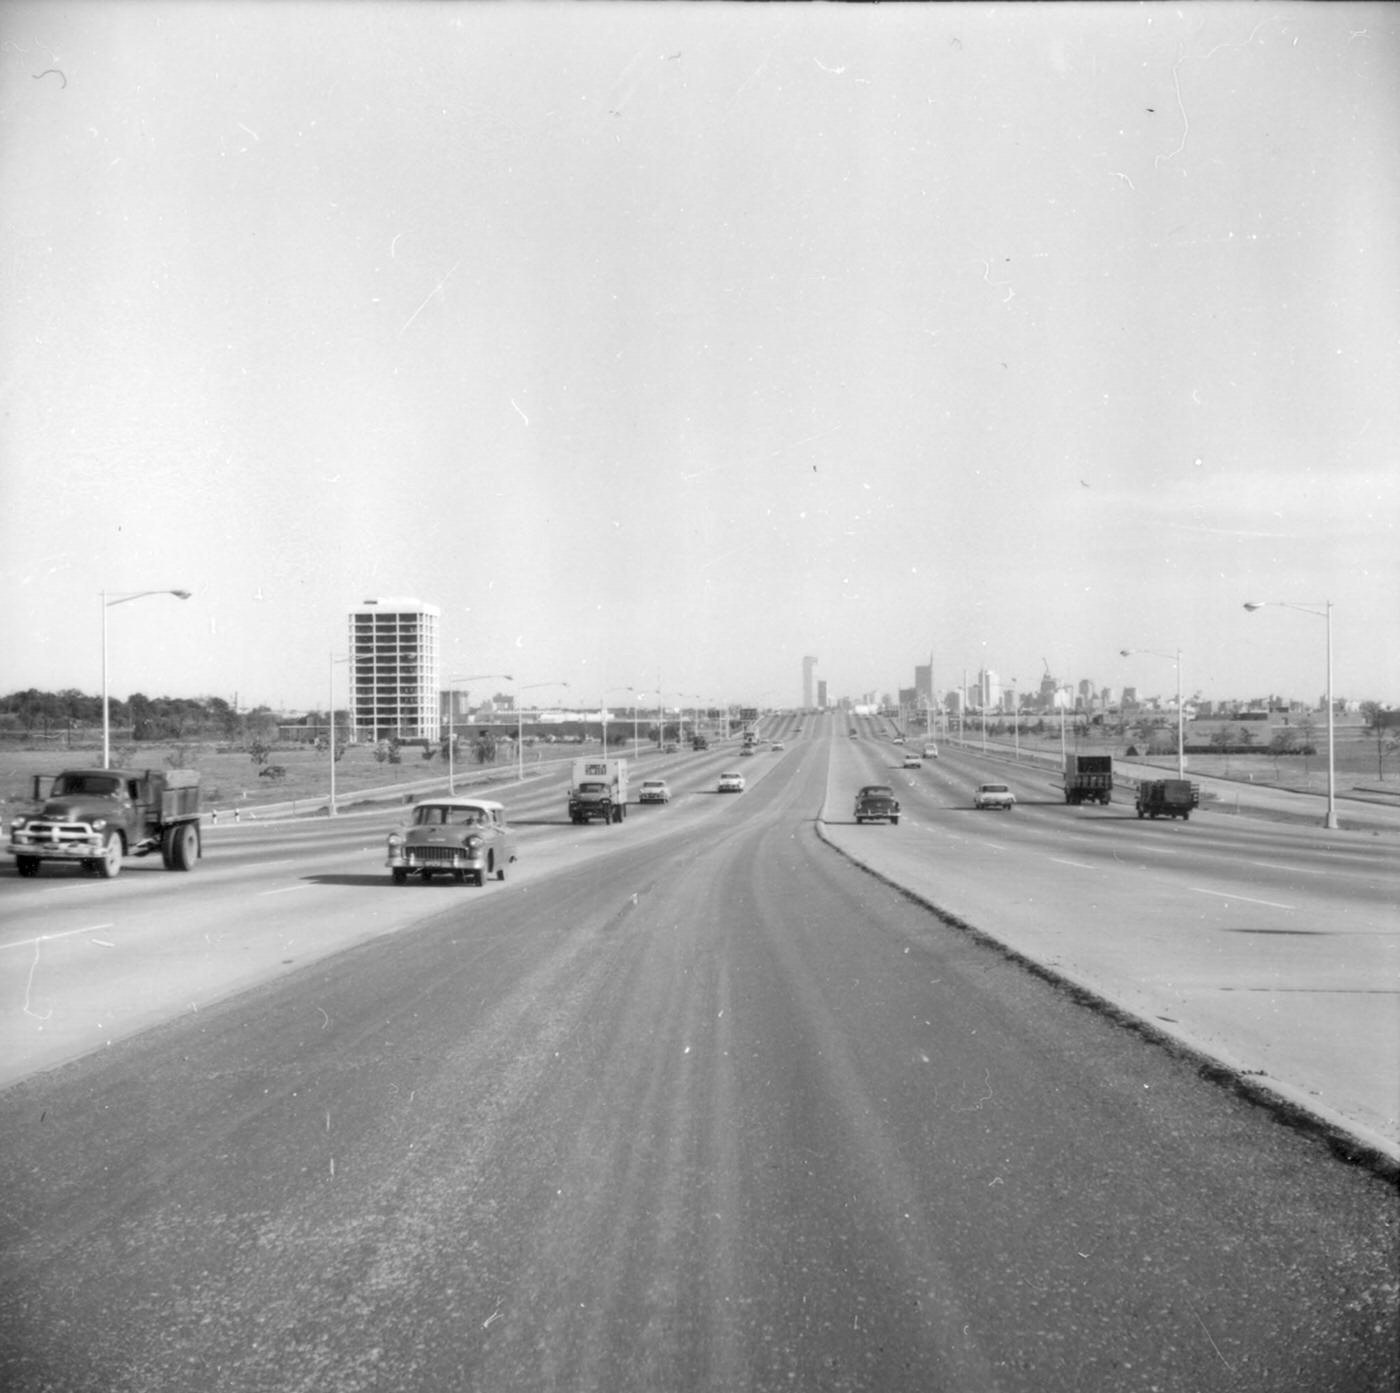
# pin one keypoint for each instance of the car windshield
(652, 783)
(995, 788)
(436, 815)
(876, 791)
(101, 784)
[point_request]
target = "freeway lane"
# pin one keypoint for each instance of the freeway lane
(1273, 948)
(703, 1107)
(84, 963)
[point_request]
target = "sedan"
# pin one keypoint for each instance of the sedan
(731, 783)
(654, 791)
(877, 803)
(466, 838)
(994, 796)
(913, 762)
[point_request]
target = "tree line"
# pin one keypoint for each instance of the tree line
(48, 714)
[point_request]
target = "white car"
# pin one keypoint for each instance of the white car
(912, 761)
(930, 751)
(994, 796)
(732, 782)
(654, 791)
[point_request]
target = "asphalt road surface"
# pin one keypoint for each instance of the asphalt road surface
(687, 1103)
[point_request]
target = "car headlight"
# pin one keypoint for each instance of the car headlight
(472, 843)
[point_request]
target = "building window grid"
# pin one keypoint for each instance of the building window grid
(394, 653)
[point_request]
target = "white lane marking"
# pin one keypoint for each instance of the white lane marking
(1059, 860)
(1302, 870)
(1270, 904)
(48, 938)
(285, 890)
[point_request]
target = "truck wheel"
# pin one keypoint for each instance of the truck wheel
(109, 864)
(1141, 814)
(27, 865)
(399, 875)
(183, 843)
(1186, 817)
(894, 821)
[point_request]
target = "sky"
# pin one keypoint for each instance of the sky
(662, 345)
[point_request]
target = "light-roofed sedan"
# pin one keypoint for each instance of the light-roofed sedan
(466, 838)
(994, 796)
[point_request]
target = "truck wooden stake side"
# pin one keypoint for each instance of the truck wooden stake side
(1167, 798)
(95, 817)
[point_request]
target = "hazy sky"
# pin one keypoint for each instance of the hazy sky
(679, 341)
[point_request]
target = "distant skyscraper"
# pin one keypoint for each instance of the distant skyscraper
(821, 693)
(395, 672)
(808, 696)
(923, 684)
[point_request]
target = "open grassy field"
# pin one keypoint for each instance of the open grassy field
(231, 779)
(1355, 759)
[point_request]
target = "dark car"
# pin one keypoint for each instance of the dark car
(877, 803)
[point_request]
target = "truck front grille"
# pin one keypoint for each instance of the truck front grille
(51, 833)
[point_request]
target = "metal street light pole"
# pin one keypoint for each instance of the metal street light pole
(1330, 820)
(452, 711)
(1180, 711)
(330, 720)
(107, 604)
(603, 712)
(680, 715)
(520, 726)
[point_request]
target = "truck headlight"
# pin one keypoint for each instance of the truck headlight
(98, 823)
(18, 823)
(395, 841)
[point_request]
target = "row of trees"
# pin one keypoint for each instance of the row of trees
(149, 718)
